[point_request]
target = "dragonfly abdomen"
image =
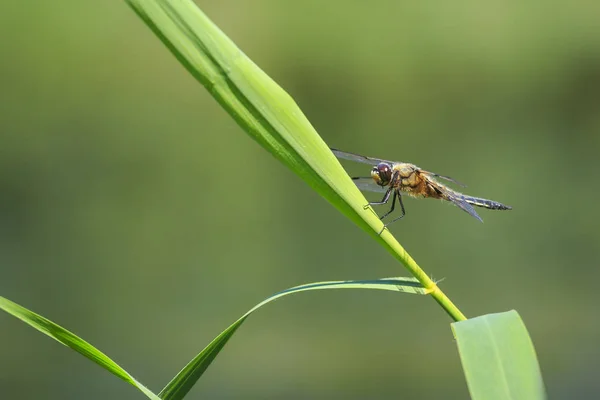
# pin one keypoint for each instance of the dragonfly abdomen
(485, 203)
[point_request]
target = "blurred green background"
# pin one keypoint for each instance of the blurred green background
(136, 213)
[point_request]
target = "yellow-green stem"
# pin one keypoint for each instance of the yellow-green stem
(411, 265)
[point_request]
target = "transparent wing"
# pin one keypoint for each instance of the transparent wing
(369, 185)
(459, 200)
(358, 157)
(443, 177)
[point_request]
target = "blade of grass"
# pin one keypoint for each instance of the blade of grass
(270, 116)
(181, 384)
(71, 340)
(498, 357)
(186, 378)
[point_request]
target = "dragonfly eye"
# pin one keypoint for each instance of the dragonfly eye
(382, 174)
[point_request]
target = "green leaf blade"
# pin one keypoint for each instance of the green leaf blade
(71, 340)
(270, 116)
(498, 357)
(183, 382)
(254, 100)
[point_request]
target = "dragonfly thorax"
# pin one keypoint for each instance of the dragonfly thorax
(405, 170)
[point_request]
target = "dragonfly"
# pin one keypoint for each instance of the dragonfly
(394, 179)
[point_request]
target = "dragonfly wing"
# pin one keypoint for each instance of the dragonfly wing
(369, 185)
(358, 158)
(444, 177)
(459, 200)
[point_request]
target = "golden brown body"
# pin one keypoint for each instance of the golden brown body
(414, 182)
(396, 178)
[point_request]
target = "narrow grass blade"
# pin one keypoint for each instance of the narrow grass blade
(69, 339)
(181, 384)
(498, 358)
(269, 115)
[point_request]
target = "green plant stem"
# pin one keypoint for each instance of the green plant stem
(396, 249)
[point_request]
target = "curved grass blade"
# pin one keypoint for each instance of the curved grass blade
(498, 358)
(69, 339)
(269, 115)
(181, 384)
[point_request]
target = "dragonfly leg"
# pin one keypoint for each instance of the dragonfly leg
(393, 205)
(397, 218)
(385, 199)
(403, 211)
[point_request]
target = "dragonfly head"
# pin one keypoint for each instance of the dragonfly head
(382, 174)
